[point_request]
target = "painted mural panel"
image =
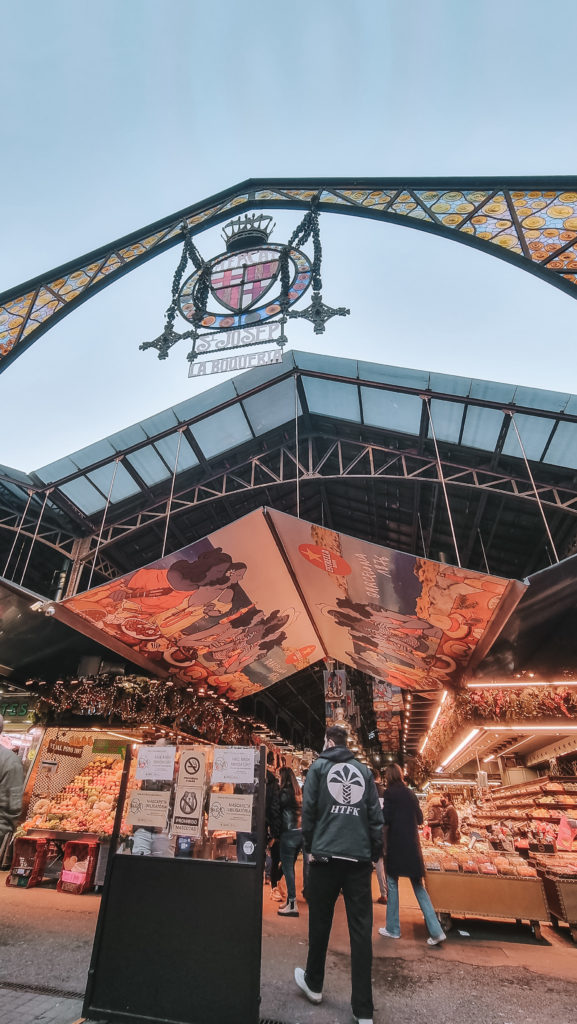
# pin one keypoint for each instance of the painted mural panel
(388, 706)
(407, 620)
(223, 611)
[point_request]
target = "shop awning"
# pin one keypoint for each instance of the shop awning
(540, 635)
(270, 594)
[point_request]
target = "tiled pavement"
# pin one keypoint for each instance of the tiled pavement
(22, 1006)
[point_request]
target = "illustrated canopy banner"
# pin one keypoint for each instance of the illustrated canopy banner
(270, 594)
(224, 610)
(409, 621)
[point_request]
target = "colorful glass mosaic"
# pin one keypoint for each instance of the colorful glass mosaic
(537, 226)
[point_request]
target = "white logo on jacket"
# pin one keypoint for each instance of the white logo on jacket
(346, 784)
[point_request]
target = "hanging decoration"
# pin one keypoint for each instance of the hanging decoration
(494, 705)
(137, 700)
(250, 289)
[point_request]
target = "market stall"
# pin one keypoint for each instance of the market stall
(70, 797)
(559, 874)
(480, 882)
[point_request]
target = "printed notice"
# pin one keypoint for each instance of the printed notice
(187, 815)
(233, 764)
(147, 808)
(155, 764)
(191, 767)
(230, 813)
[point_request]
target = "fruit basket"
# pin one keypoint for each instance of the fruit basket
(78, 866)
(28, 860)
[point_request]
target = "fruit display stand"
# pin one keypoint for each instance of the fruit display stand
(529, 811)
(482, 884)
(72, 797)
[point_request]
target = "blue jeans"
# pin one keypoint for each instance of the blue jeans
(431, 920)
(380, 873)
(291, 843)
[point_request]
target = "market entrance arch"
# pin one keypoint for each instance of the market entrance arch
(530, 222)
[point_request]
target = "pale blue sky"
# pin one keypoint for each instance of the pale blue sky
(120, 114)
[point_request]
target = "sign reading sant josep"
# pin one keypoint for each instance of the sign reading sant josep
(245, 296)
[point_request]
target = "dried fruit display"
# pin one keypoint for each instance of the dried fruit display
(87, 804)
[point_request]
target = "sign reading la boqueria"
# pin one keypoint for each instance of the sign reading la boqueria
(228, 364)
(245, 296)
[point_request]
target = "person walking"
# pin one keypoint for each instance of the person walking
(403, 858)
(11, 789)
(342, 827)
(273, 826)
(291, 837)
(380, 865)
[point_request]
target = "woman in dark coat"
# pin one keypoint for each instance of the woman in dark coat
(403, 857)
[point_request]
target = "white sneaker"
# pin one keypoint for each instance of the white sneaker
(290, 909)
(362, 1020)
(435, 942)
(276, 894)
(313, 997)
(388, 935)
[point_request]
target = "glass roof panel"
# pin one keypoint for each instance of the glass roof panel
(482, 428)
(204, 402)
(126, 438)
(331, 398)
(260, 374)
(153, 425)
(324, 364)
(272, 407)
(16, 475)
(492, 391)
(167, 447)
(535, 432)
(124, 485)
(571, 407)
(563, 448)
(450, 385)
(447, 418)
(534, 398)
(14, 489)
(84, 495)
(148, 465)
(224, 430)
(394, 375)
(93, 453)
(56, 470)
(392, 410)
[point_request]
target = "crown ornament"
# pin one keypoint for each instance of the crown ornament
(247, 232)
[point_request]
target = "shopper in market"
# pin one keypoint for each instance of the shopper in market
(343, 831)
(450, 820)
(435, 818)
(11, 789)
(291, 837)
(403, 858)
(380, 865)
(273, 826)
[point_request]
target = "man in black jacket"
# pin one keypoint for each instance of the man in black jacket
(342, 825)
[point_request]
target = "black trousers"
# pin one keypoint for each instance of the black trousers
(326, 882)
(275, 864)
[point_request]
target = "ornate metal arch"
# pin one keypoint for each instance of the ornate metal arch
(530, 222)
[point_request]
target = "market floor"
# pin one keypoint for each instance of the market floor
(497, 974)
